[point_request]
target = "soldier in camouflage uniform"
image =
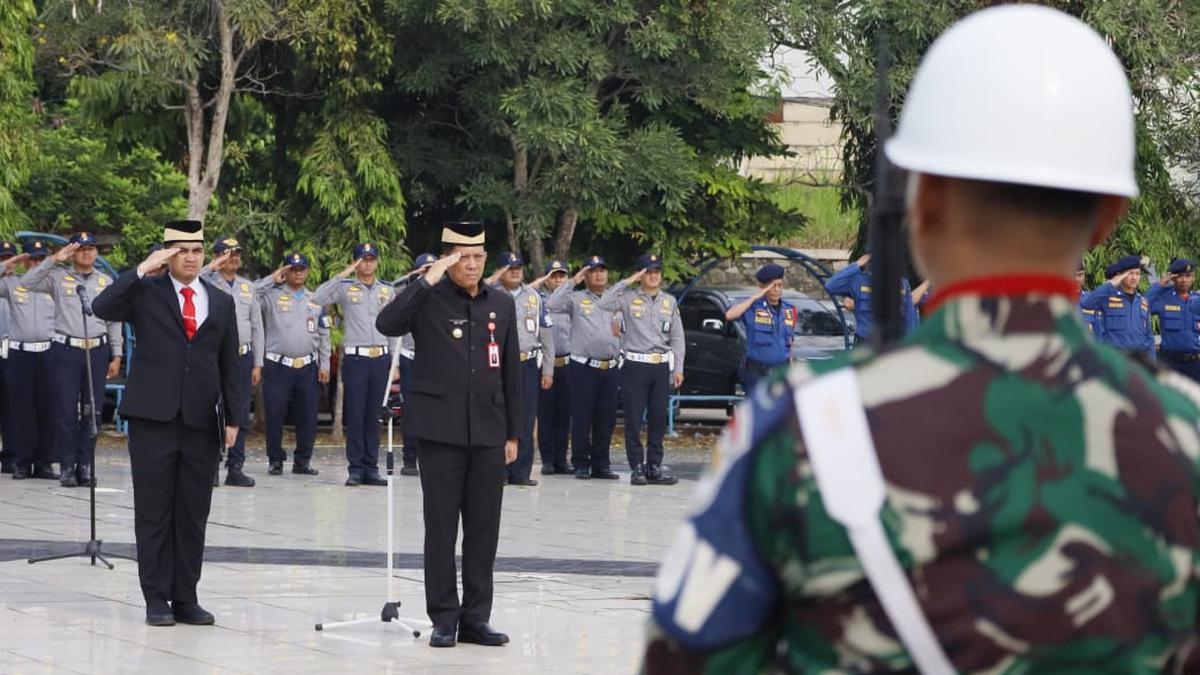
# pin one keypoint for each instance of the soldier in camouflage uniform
(1038, 489)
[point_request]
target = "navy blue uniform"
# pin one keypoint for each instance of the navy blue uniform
(1179, 324)
(769, 334)
(1125, 316)
(854, 282)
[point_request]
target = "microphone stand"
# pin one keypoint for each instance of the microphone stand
(89, 414)
(391, 609)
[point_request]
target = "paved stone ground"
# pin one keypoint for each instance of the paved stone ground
(574, 570)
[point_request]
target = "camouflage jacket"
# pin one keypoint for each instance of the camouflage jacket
(1041, 493)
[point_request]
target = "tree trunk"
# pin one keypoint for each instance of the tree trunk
(567, 220)
(511, 226)
(204, 163)
(537, 255)
(520, 184)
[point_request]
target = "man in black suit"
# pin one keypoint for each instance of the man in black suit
(181, 390)
(466, 410)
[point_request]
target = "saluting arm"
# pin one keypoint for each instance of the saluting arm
(613, 297)
(329, 292)
(1096, 299)
(559, 301)
(40, 278)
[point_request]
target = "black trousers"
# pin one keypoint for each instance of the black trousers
(69, 365)
(554, 420)
(464, 480)
(173, 466)
(364, 380)
(593, 415)
(30, 399)
(531, 384)
(411, 443)
(237, 453)
(647, 391)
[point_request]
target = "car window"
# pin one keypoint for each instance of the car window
(694, 309)
(813, 319)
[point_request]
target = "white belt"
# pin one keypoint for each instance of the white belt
(244, 349)
(34, 347)
(80, 343)
(846, 468)
(647, 358)
(408, 354)
(601, 364)
(289, 362)
(369, 352)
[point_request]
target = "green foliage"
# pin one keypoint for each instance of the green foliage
(77, 182)
(1155, 40)
(829, 225)
(16, 115)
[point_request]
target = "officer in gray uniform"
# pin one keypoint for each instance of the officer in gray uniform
(554, 404)
(653, 348)
(537, 356)
(8, 251)
(222, 272)
(27, 369)
(593, 369)
(404, 362)
(73, 335)
(367, 362)
(297, 361)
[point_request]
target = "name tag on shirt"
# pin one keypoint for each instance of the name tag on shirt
(530, 324)
(762, 316)
(666, 326)
(1172, 308)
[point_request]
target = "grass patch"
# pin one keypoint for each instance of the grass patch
(828, 226)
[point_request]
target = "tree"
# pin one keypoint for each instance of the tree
(16, 113)
(546, 113)
(1155, 41)
(132, 62)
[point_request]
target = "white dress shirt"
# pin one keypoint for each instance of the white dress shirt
(199, 299)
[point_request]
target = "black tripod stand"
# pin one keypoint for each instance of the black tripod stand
(88, 418)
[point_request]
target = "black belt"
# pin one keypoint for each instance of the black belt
(1179, 356)
(763, 364)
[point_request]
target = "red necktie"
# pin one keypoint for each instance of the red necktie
(189, 312)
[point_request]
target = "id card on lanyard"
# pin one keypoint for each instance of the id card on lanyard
(493, 347)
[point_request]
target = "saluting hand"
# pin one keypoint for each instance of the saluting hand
(578, 278)
(156, 260)
(277, 275)
(64, 253)
(862, 262)
(537, 283)
(438, 268)
(1167, 280)
(14, 261)
(219, 261)
(510, 451)
(636, 276)
(350, 269)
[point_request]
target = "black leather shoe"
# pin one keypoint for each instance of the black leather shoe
(275, 469)
(527, 482)
(159, 614)
(373, 478)
(564, 469)
(605, 475)
(548, 470)
(410, 471)
(481, 634)
(19, 473)
(353, 480)
(656, 476)
(638, 477)
(442, 637)
(193, 614)
(304, 469)
(236, 478)
(45, 471)
(582, 474)
(67, 479)
(83, 474)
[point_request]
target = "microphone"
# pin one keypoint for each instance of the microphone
(84, 301)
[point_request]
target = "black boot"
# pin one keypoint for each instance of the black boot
(638, 476)
(656, 476)
(235, 477)
(67, 477)
(45, 471)
(83, 474)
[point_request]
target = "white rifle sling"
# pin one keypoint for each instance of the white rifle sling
(844, 463)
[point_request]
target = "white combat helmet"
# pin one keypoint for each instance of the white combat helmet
(1020, 94)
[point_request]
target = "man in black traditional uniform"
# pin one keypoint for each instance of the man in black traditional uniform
(466, 410)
